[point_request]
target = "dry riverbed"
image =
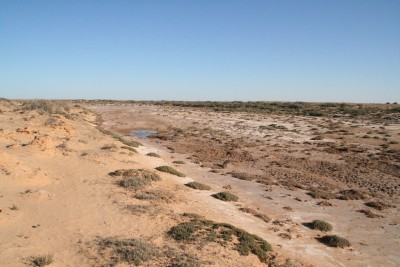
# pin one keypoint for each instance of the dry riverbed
(77, 189)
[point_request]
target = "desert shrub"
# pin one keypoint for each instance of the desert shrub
(52, 121)
(185, 260)
(152, 154)
(318, 137)
(378, 205)
(109, 147)
(324, 203)
(199, 186)
(142, 173)
(131, 251)
(315, 113)
(263, 217)
(138, 209)
(370, 214)
(46, 107)
(319, 193)
(170, 170)
(125, 141)
(129, 148)
(178, 162)
(161, 195)
(135, 179)
(145, 196)
(192, 215)
(320, 225)
(40, 260)
(133, 183)
(243, 176)
(119, 138)
(334, 241)
(350, 194)
(204, 230)
(226, 196)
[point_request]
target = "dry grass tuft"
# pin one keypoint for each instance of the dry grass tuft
(130, 251)
(40, 260)
(263, 217)
(370, 214)
(152, 154)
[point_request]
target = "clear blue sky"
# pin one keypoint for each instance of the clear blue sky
(336, 50)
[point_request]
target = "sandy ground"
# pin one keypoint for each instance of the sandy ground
(57, 197)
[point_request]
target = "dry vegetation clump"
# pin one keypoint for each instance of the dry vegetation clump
(370, 214)
(350, 194)
(157, 194)
(324, 203)
(152, 154)
(47, 107)
(192, 215)
(226, 196)
(138, 209)
(263, 217)
(317, 138)
(200, 230)
(319, 193)
(186, 260)
(142, 173)
(319, 225)
(334, 241)
(170, 170)
(40, 260)
(378, 205)
(130, 251)
(129, 148)
(110, 147)
(135, 179)
(178, 162)
(199, 186)
(124, 141)
(243, 176)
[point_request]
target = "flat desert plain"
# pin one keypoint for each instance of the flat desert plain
(125, 183)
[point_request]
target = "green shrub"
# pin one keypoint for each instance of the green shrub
(334, 241)
(320, 225)
(178, 162)
(170, 170)
(226, 196)
(199, 186)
